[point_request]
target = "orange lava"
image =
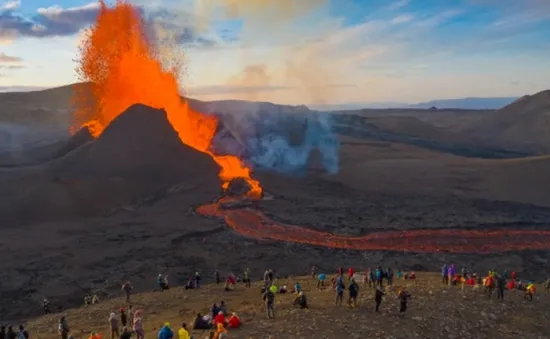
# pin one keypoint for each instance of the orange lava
(122, 66)
(254, 224)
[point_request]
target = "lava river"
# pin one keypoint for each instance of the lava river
(253, 223)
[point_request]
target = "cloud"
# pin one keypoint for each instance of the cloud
(10, 5)
(4, 58)
(398, 5)
(402, 19)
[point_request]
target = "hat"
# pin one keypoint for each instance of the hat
(167, 324)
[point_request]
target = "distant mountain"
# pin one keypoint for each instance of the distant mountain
(467, 103)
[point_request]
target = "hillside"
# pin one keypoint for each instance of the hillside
(435, 311)
(521, 126)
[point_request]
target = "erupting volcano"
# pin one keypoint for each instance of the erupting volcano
(123, 67)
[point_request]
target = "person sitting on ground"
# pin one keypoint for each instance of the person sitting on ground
(214, 310)
(183, 333)
(162, 282)
(234, 321)
(297, 287)
(200, 323)
(165, 332)
(219, 319)
(223, 308)
(190, 284)
(126, 333)
(300, 300)
(221, 332)
(283, 289)
(321, 280)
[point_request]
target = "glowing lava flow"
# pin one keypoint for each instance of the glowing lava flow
(120, 63)
(254, 224)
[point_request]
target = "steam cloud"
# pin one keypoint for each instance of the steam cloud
(280, 141)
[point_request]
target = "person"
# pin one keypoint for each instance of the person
(2, 332)
(190, 284)
(300, 300)
(219, 318)
(87, 300)
(269, 299)
(514, 275)
(161, 282)
(217, 276)
(221, 332)
(339, 288)
(230, 282)
(489, 285)
(379, 276)
(138, 325)
(547, 286)
(63, 328)
(200, 323)
(445, 274)
(530, 291)
(234, 321)
(46, 305)
(94, 335)
(223, 308)
(246, 279)
(389, 276)
(123, 317)
(127, 289)
(403, 297)
(23, 334)
(378, 294)
(321, 280)
(214, 310)
(11, 333)
(113, 323)
(501, 285)
(95, 299)
(353, 293)
(297, 287)
(198, 280)
(183, 332)
(313, 272)
(126, 333)
(351, 272)
(452, 272)
(165, 332)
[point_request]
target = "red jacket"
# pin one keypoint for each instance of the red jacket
(219, 319)
(234, 322)
(350, 272)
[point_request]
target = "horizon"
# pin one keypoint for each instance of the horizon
(321, 52)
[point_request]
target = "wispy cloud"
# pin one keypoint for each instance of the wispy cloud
(402, 19)
(398, 5)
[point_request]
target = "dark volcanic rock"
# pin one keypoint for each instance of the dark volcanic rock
(238, 187)
(80, 138)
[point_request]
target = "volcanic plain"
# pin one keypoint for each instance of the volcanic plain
(81, 215)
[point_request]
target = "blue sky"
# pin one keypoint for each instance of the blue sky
(319, 51)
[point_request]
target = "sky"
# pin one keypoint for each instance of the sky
(308, 51)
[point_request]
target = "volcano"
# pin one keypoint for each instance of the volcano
(139, 155)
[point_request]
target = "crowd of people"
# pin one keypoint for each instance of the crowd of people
(128, 323)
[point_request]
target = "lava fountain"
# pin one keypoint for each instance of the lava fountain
(121, 65)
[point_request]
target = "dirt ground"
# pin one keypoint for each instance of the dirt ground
(435, 311)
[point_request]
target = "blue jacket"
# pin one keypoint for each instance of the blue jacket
(444, 270)
(165, 333)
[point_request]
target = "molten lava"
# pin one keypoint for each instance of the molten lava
(122, 67)
(255, 224)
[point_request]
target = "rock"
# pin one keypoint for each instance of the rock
(417, 318)
(238, 187)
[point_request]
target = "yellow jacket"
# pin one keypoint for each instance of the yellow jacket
(183, 334)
